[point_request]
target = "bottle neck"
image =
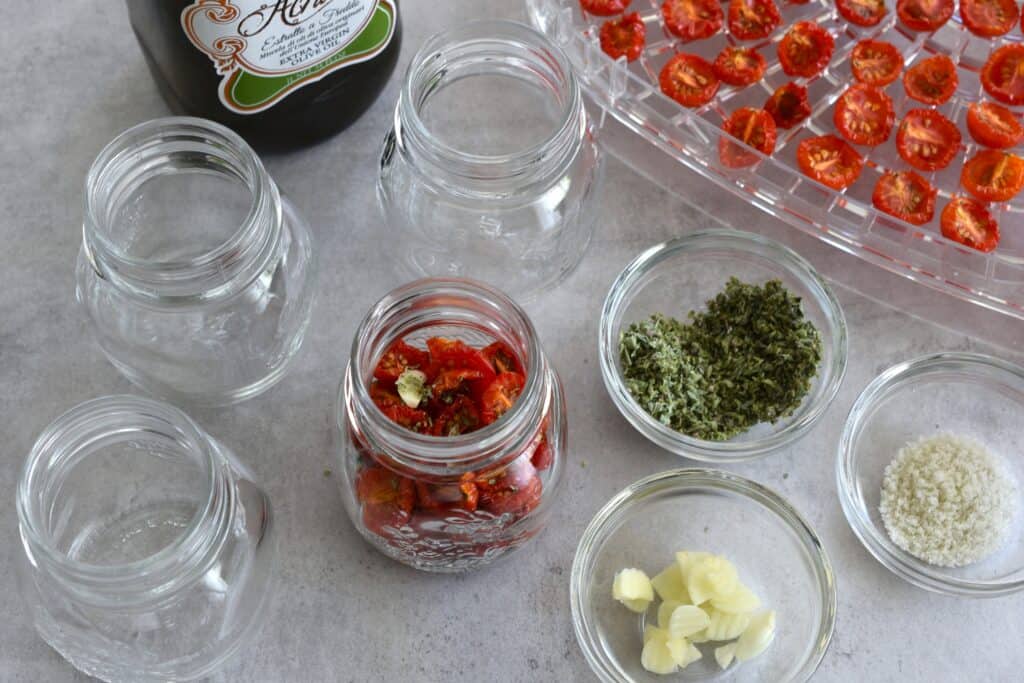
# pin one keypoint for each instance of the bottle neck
(490, 49)
(131, 199)
(445, 307)
(67, 479)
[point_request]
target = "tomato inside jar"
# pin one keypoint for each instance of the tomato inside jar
(452, 436)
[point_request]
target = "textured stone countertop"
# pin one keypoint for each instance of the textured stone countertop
(74, 77)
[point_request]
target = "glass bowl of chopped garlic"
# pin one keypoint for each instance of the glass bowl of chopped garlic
(929, 473)
(696, 574)
(721, 345)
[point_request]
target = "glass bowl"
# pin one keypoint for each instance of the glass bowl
(776, 552)
(679, 276)
(960, 393)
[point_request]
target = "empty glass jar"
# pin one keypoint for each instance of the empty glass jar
(491, 170)
(148, 548)
(196, 273)
(450, 503)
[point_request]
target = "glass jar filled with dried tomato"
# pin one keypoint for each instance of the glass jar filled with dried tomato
(451, 426)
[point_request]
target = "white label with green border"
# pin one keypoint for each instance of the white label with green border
(266, 49)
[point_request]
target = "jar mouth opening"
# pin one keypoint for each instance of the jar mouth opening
(77, 447)
(179, 207)
(492, 49)
(451, 303)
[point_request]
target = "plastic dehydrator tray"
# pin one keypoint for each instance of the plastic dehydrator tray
(845, 218)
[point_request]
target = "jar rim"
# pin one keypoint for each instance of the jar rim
(55, 446)
(464, 42)
(425, 452)
(220, 271)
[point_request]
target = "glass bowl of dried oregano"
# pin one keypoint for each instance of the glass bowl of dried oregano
(929, 473)
(722, 346)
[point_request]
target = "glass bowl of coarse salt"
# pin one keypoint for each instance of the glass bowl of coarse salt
(929, 472)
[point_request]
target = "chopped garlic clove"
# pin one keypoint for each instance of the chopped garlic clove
(725, 626)
(687, 620)
(637, 605)
(712, 577)
(669, 585)
(756, 637)
(665, 610)
(683, 652)
(685, 559)
(632, 585)
(740, 601)
(411, 386)
(656, 656)
(652, 631)
(699, 637)
(724, 654)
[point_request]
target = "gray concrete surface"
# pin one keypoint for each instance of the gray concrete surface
(73, 78)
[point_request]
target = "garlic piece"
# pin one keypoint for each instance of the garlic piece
(725, 626)
(682, 651)
(687, 620)
(411, 386)
(724, 654)
(685, 559)
(740, 601)
(633, 589)
(670, 586)
(656, 656)
(652, 631)
(756, 637)
(712, 577)
(665, 610)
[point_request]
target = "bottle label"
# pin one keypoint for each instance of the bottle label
(266, 49)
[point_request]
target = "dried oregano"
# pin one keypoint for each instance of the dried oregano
(749, 358)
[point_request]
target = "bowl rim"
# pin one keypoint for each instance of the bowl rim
(606, 521)
(875, 540)
(621, 293)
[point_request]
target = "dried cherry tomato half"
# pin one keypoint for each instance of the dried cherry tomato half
(502, 358)
(864, 115)
(862, 12)
(1002, 76)
(692, 19)
(927, 140)
(993, 125)
(924, 15)
(461, 417)
(876, 62)
(500, 396)
(969, 222)
(788, 105)
(739, 66)
(993, 175)
(755, 127)
(989, 18)
(932, 81)
(397, 359)
(905, 195)
(689, 80)
(753, 19)
(805, 49)
(623, 37)
(829, 160)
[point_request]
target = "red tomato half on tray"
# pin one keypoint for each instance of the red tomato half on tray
(805, 49)
(969, 222)
(927, 140)
(829, 160)
(924, 15)
(754, 127)
(788, 105)
(1003, 74)
(905, 195)
(692, 19)
(993, 125)
(989, 18)
(862, 12)
(739, 66)
(864, 115)
(623, 37)
(993, 175)
(689, 80)
(932, 80)
(876, 62)
(753, 19)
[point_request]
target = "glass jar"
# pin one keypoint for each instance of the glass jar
(492, 170)
(509, 470)
(196, 273)
(148, 548)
